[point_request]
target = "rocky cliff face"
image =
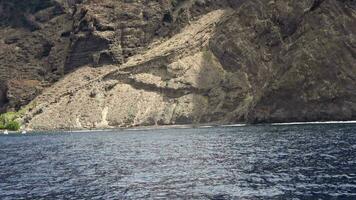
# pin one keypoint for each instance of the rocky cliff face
(101, 64)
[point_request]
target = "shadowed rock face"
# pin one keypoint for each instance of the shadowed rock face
(173, 62)
(3, 98)
(31, 47)
(299, 57)
(19, 13)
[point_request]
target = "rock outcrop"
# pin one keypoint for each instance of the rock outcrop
(43, 40)
(32, 48)
(128, 63)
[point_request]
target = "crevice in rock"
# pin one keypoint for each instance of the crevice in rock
(316, 5)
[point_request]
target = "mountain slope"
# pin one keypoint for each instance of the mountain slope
(173, 62)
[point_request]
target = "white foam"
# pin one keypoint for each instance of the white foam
(234, 125)
(306, 123)
(143, 128)
(206, 126)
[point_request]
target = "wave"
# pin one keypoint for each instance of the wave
(234, 125)
(306, 123)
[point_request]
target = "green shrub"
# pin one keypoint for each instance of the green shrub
(9, 116)
(8, 121)
(13, 126)
(3, 121)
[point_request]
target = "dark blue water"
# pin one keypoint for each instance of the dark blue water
(257, 162)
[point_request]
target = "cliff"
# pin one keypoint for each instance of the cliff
(102, 64)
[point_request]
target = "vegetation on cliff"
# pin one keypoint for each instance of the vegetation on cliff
(9, 121)
(12, 120)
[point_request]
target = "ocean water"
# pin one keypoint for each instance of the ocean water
(252, 162)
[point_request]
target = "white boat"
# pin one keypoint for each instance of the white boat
(6, 132)
(23, 132)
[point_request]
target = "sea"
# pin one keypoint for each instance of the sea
(275, 161)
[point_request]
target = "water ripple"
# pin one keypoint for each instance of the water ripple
(251, 162)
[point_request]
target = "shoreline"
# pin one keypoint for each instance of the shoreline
(183, 126)
(313, 123)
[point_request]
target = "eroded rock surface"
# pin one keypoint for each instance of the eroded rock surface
(43, 40)
(128, 63)
(167, 84)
